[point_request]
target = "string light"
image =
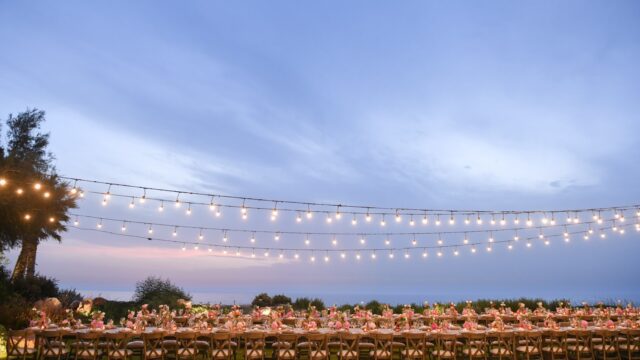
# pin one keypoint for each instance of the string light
(161, 207)
(425, 219)
(529, 222)
(200, 235)
(298, 218)
(52, 219)
(175, 231)
(253, 237)
(150, 230)
(225, 237)
(354, 221)
(309, 213)
(143, 198)
(383, 222)
(425, 254)
(479, 219)
(306, 240)
(334, 241)
(503, 221)
(100, 224)
(189, 209)
(391, 254)
(363, 240)
(124, 227)
(132, 204)
(46, 194)
(276, 237)
(27, 216)
(406, 254)
(3, 182)
(329, 218)
(274, 212)
(411, 221)
(387, 241)
(467, 221)
(438, 220)
(466, 239)
(398, 217)
(338, 214)
(177, 203)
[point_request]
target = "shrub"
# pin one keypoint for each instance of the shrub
(261, 300)
(302, 303)
(68, 297)
(156, 291)
(319, 304)
(280, 300)
(36, 288)
(374, 306)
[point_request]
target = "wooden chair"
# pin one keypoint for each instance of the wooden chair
(555, 345)
(349, 346)
(414, 346)
(153, 347)
(502, 345)
(317, 346)
(629, 345)
(117, 346)
(86, 346)
(580, 347)
(220, 346)
(187, 348)
(285, 346)
(254, 345)
(19, 346)
(474, 345)
(51, 345)
(446, 346)
(529, 344)
(607, 347)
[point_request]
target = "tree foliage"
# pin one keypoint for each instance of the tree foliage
(280, 299)
(156, 291)
(261, 300)
(29, 213)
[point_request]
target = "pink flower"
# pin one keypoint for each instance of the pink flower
(434, 326)
(275, 325)
(584, 324)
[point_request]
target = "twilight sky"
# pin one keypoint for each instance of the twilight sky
(456, 104)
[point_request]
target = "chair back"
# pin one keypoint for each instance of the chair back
(186, 344)
(254, 345)
(285, 350)
(86, 345)
(117, 344)
(349, 344)
(153, 346)
(582, 340)
(18, 344)
(220, 345)
(609, 340)
(51, 344)
(414, 344)
(384, 344)
(474, 344)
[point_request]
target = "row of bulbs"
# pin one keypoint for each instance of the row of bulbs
(19, 191)
(425, 219)
(615, 228)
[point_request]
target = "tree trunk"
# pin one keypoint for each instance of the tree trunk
(26, 263)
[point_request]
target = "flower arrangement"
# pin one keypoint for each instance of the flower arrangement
(470, 325)
(452, 311)
(39, 319)
(549, 322)
(540, 310)
(468, 310)
(387, 312)
(403, 322)
(497, 323)
(340, 322)
(97, 322)
(234, 319)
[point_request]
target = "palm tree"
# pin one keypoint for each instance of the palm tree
(34, 201)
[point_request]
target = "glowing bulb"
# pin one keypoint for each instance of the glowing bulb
(37, 186)
(195, 247)
(358, 256)
(52, 219)
(383, 222)
(132, 204)
(528, 244)
(509, 246)
(329, 219)
(218, 212)
(516, 237)
(225, 238)
(489, 248)
(603, 235)
(313, 258)
(503, 222)
(276, 237)
(516, 220)
(466, 240)
(184, 248)
(479, 220)
(200, 237)
(529, 222)
(438, 222)
(298, 218)
(253, 255)
(334, 242)
(281, 256)
(586, 237)
(406, 255)
(253, 238)
(326, 259)
(362, 240)
(161, 207)
(424, 254)
(142, 199)
(309, 214)
(150, 231)
(189, 210)
(440, 241)
(104, 201)
(387, 242)
(455, 252)
(3, 181)
(491, 238)
(467, 221)
(439, 253)
(76, 222)
(48, 194)
(414, 242)
(210, 250)
(307, 241)
(266, 254)
(547, 242)
(373, 255)
(100, 225)
(621, 231)
(123, 228)
(412, 222)
(296, 255)
(473, 249)
(338, 215)
(493, 220)
(354, 221)
(175, 232)
(390, 255)
(343, 255)
(178, 203)
(368, 217)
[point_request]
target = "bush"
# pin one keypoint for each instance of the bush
(374, 306)
(68, 297)
(36, 288)
(301, 303)
(156, 291)
(319, 304)
(261, 300)
(280, 300)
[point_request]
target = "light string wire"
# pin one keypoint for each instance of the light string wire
(357, 209)
(338, 233)
(489, 244)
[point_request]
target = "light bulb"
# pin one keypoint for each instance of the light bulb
(334, 242)
(223, 251)
(354, 221)
(528, 244)
(150, 231)
(383, 222)
(298, 218)
(3, 181)
(440, 241)
(424, 254)
(412, 222)
(387, 242)
(329, 219)
(509, 246)
(195, 247)
(253, 238)
(124, 228)
(547, 242)
(281, 256)
(307, 241)
(362, 240)
(373, 255)
(439, 253)
(467, 221)
(296, 255)
(358, 256)
(37, 186)
(406, 255)
(276, 237)
(473, 249)
(52, 219)
(132, 204)
(489, 248)
(76, 222)
(414, 242)
(343, 255)
(326, 259)
(438, 222)
(313, 258)
(603, 235)
(398, 218)
(48, 194)
(200, 237)
(175, 232)
(178, 203)
(425, 219)
(455, 252)
(503, 222)
(161, 207)
(309, 214)
(189, 210)
(391, 255)
(368, 217)
(338, 215)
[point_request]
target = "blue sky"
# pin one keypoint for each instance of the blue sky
(457, 104)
